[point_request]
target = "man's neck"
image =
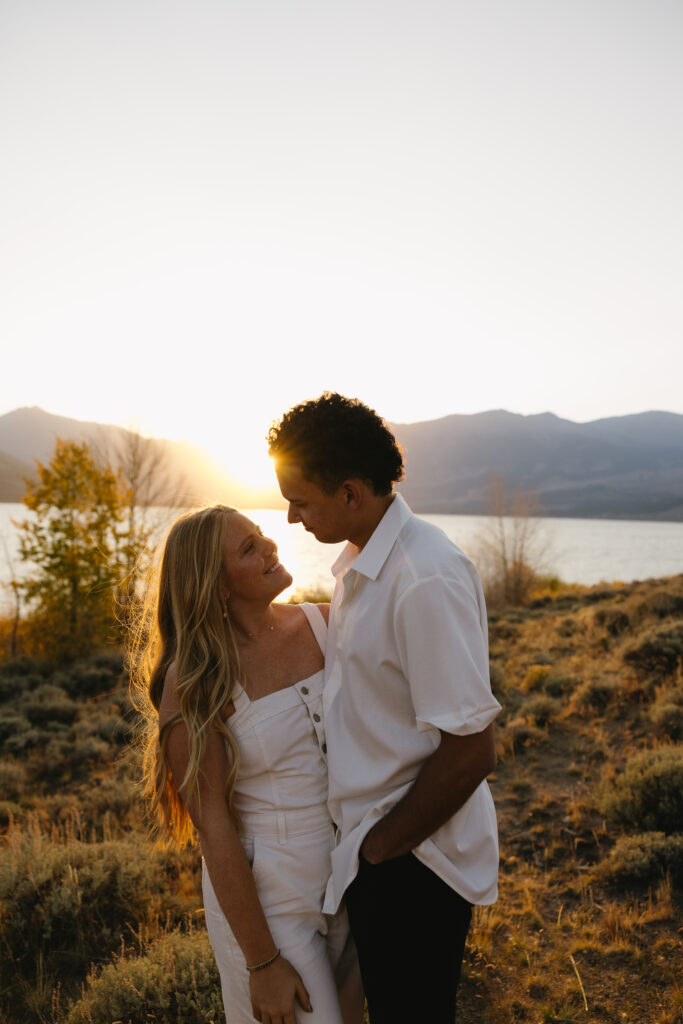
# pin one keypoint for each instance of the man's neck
(376, 510)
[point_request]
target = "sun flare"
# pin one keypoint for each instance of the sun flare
(249, 465)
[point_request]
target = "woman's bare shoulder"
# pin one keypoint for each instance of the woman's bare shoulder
(292, 613)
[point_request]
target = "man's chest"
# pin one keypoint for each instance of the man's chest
(366, 644)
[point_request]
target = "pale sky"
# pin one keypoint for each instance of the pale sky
(210, 211)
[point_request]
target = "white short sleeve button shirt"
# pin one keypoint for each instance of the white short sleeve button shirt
(407, 656)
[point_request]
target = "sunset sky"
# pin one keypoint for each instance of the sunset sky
(210, 211)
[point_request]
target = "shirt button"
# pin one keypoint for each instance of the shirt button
(304, 689)
(316, 717)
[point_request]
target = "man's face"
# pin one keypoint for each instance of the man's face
(324, 515)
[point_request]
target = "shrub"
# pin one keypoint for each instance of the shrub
(115, 729)
(9, 810)
(12, 779)
(22, 737)
(667, 713)
(518, 735)
(662, 603)
(13, 686)
(556, 685)
(614, 619)
(11, 723)
(536, 678)
(89, 679)
(113, 795)
(648, 796)
(112, 662)
(175, 981)
(642, 860)
(23, 666)
(597, 594)
(657, 652)
(595, 694)
(64, 902)
(540, 709)
(45, 711)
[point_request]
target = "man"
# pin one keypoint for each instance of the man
(408, 711)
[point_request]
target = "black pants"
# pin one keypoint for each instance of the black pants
(409, 928)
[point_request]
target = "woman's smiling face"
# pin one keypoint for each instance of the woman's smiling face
(250, 561)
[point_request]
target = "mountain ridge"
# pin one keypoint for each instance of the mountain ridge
(623, 467)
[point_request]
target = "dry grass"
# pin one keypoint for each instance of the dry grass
(571, 938)
(588, 923)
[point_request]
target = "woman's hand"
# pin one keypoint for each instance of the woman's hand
(274, 991)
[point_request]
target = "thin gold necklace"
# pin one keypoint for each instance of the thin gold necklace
(255, 636)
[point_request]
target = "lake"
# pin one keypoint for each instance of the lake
(577, 550)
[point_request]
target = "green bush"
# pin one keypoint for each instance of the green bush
(64, 902)
(648, 796)
(12, 687)
(43, 711)
(101, 674)
(112, 662)
(657, 652)
(23, 666)
(642, 860)
(175, 981)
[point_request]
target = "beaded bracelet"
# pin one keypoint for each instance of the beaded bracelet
(266, 963)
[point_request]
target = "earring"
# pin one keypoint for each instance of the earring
(225, 606)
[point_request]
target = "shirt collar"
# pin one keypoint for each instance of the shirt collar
(370, 560)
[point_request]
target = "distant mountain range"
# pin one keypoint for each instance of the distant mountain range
(625, 467)
(193, 476)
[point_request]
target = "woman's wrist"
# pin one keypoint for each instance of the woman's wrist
(264, 963)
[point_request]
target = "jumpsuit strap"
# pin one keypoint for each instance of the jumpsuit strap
(316, 621)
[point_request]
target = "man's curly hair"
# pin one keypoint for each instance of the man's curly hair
(333, 438)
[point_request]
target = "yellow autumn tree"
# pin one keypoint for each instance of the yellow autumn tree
(73, 549)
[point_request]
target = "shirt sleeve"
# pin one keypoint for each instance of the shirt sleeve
(441, 637)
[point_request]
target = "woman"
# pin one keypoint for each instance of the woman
(235, 751)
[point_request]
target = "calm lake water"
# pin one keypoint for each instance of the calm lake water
(577, 550)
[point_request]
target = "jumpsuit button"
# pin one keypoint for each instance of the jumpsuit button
(304, 689)
(316, 717)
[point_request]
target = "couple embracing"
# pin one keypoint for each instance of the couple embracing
(332, 760)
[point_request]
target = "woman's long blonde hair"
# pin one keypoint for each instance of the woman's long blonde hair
(182, 621)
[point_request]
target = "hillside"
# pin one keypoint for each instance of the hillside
(628, 467)
(588, 791)
(28, 434)
(12, 474)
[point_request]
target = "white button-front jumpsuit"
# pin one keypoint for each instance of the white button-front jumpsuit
(281, 797)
